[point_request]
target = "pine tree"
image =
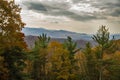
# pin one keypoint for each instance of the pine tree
(70, 45)
(15, 58)
(39, 53)
(103, 39)
(90, 65)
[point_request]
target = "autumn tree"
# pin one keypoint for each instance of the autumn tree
(60, 63)
(10, 25)
(12, 43)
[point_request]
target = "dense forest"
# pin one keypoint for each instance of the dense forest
(53, 60)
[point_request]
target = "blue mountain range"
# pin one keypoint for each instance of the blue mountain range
(61, 33)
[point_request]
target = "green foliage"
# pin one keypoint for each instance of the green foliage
(91, 73)
(102, 36)
(3, 70)
(42, 41)
(39, 54)
(114, 71)
(70, 45)
(14, 61)
(104, 45)
(103, 39)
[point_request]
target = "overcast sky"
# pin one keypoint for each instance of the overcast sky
(83, 16)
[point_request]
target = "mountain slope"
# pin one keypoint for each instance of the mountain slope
(30, 40)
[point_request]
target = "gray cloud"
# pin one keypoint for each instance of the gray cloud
(83, 1)
(116, 13)
(35, 6)
(60, 9)
(110, 8)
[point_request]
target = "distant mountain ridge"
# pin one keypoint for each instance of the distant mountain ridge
(60, 33)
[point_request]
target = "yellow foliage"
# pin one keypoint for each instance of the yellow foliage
(116, 56)
(59, 59)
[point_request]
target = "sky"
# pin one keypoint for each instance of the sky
(82, 16)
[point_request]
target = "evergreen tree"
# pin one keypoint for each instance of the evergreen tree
(103, 39)
(15, 57)
(90, 65)
(70, 45)
(40, 57)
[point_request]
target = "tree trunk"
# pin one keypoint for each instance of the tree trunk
(101, 65)
(100, 75)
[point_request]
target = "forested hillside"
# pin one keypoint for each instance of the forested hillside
(52, 60)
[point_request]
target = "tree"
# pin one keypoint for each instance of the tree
(42, 41)
(60, 62)
(70, 45)
(3, 70)
(114, 69)
(15, 58)
(103, 39)
(10, 25)
(39, 54)
(11, 39)
(90, 63)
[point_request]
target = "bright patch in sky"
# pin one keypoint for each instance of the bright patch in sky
(83, 7)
